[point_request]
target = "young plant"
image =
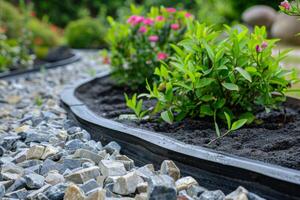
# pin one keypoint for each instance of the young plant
(136, 106)
(223, 79)
(139, 45)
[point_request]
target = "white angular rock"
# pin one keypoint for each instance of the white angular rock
(73, 192)
(83, 175)
(35, 152)
(49, 151)
(53, 177)
(239, 194)
(127, 184)
(168, 167)
(185, 182)
(112, 168)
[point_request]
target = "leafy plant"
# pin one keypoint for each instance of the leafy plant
(139, 45)
(225, 79)
(85, 33)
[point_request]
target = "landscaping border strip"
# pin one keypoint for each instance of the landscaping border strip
(49, 65)
(211, 168)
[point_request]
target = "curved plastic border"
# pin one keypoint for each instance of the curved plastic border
(211, 168)
(49, 65)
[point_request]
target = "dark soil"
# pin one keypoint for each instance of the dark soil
(276, 140)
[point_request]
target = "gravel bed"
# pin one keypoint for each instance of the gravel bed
(44, 155)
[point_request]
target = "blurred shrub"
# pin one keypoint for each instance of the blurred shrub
(42, 34)
(85, 33)
(10, 19)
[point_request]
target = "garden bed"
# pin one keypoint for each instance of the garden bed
(59, 57)
(98, 103)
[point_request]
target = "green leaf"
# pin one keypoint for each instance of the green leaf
(231, 86)
(204, 82)
(206, 110)
(249, 116)
(238, 124)
(228, 119)
(244, 73)
(217, 129)
(167, 116)
(207, 98)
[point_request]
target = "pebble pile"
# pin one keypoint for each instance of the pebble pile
(45, 156)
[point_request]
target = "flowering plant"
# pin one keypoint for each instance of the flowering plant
(225, 80)
(290, 8)
(138, 46)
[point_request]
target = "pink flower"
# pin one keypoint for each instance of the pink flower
(188, 15)
(153, 38)
(134, 20)
(162, 56)
(175, 26)
(159, 18)
(171, 10)
(148, 21)
(142, 29)
(258, 49)
(286, 5)
(264, 45)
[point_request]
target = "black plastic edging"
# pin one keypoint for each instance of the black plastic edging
(48, 65)
(211, 168)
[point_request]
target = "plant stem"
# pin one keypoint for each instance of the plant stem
(217, 138)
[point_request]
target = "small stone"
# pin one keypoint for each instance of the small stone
(29, 163)
(97, 194)
(41, 196)
(71, 163)
(14, 99)
(20, 157)
(33, 195)
(19, 194)
(56, 192)
(49, 151)
(10, 171)
(111, 147)
(112, 168)
(146, 171)
(10, 142)
(161, 187)
(18, 184)
(195, 190)
(34, 181)
(36, 137)
(35, 152)
(22, 129)
(83, 175)
(212, 195)
(128, 163)
(73, 192)
(53, 178)
(2, 151)
(185, 182)
(100, 180)
(2, 190)
(184, 196)
(142, 187)
(168, 167)
(83, 153)
(73, 145)
(239, 194)
(50, 165)
(89, 186)
(142, 196)
(126, 184)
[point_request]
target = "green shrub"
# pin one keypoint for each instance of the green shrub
(42, 35)
(10, 19)
(138, 45)
(226, 80)
(85, 33)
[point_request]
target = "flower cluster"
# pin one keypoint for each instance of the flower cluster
(290, 8)
(260, 48)
(138, 45)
